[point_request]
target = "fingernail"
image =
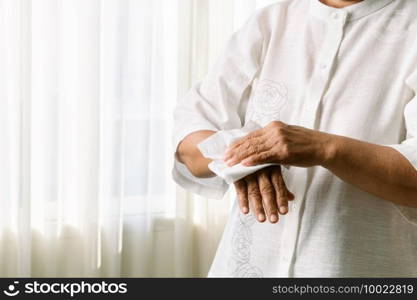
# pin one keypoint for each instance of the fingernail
(283, 210)
(245, 210)
(274, 219)
(261, 218)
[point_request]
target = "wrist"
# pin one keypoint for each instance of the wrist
(198, 166)
(196, 163)
(329, 148)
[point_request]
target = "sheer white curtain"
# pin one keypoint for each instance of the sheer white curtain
(87, 89)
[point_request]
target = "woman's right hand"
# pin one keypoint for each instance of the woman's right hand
(265, 193)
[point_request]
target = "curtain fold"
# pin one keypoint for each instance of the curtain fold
(87, 90)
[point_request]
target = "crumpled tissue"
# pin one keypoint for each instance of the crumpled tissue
(215, 147)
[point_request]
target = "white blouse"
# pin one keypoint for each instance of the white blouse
(350, 72)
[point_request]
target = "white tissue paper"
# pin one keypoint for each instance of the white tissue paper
(215, 147)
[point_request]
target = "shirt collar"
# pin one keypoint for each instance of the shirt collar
(353, 12)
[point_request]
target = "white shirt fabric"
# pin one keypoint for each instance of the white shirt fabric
(350, 72)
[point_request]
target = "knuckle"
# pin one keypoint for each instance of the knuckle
(275, 179)
(242, 148)
(255, 149)
(276, 124)
(285, 151)
(251, 136)
(242, 202)
(267, 190)
(282, 195)
(279, 184)
(254, 194)
(264, 156)
(259, 210)
(256, 202)
(272, 124)
(278, 131)
(284, 201)
(271, 205)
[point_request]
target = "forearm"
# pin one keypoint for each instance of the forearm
(189, 154)
(379, 170)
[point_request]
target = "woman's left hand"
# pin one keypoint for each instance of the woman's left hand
(282, 144)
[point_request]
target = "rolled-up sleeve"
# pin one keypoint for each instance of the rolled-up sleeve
(218, 102)
(408, 148)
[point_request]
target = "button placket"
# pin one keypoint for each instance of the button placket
(322, 73)
(316, 91)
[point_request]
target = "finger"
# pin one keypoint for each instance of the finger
(255, 198)
(282, 193)
(242, 194)
(253, 135)
(246, 150)
(268, 196)
(243, 144)
(259, 159)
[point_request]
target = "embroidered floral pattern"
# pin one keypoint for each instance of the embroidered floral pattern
(268, 101)
(242, 240)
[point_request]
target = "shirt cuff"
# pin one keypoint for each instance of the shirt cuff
(408, 151)
(213, 188)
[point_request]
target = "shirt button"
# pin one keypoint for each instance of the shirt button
(309, 107)
(323, 66)
(335, 16)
